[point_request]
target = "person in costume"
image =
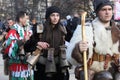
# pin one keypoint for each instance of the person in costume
(102, 45)
(51, 65)
(14, 50)
(10, 22)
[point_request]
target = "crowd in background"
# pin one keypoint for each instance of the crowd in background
(56, 36)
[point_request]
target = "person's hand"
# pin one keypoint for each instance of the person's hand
(83, 46)
(43, 45)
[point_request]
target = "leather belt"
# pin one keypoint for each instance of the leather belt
(101, 57)
(106, 58)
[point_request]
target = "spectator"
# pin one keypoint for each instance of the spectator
(71, 25)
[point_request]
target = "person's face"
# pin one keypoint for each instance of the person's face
(33, 21)
(24, 19)
(10, 23)
(54, 18)
(105, 13)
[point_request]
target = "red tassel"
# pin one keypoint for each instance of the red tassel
(18, 67)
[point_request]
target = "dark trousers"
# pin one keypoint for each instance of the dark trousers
(41, 75)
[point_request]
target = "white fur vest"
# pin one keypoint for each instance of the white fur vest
(102, 38)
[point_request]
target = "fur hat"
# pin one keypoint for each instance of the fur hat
(51, 10)
(98, 4)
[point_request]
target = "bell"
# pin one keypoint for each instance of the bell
(50, 63)
(50, 68)
(32, 59)
(63, 61)
(22, 52)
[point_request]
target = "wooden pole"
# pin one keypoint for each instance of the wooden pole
(84, 39)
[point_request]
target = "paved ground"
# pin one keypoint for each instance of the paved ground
(4, 77)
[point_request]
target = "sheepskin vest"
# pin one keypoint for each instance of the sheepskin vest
(104, 39)
(106, 42)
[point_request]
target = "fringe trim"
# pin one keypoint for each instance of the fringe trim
(20, 70)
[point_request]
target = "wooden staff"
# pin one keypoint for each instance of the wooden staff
(84, 39)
